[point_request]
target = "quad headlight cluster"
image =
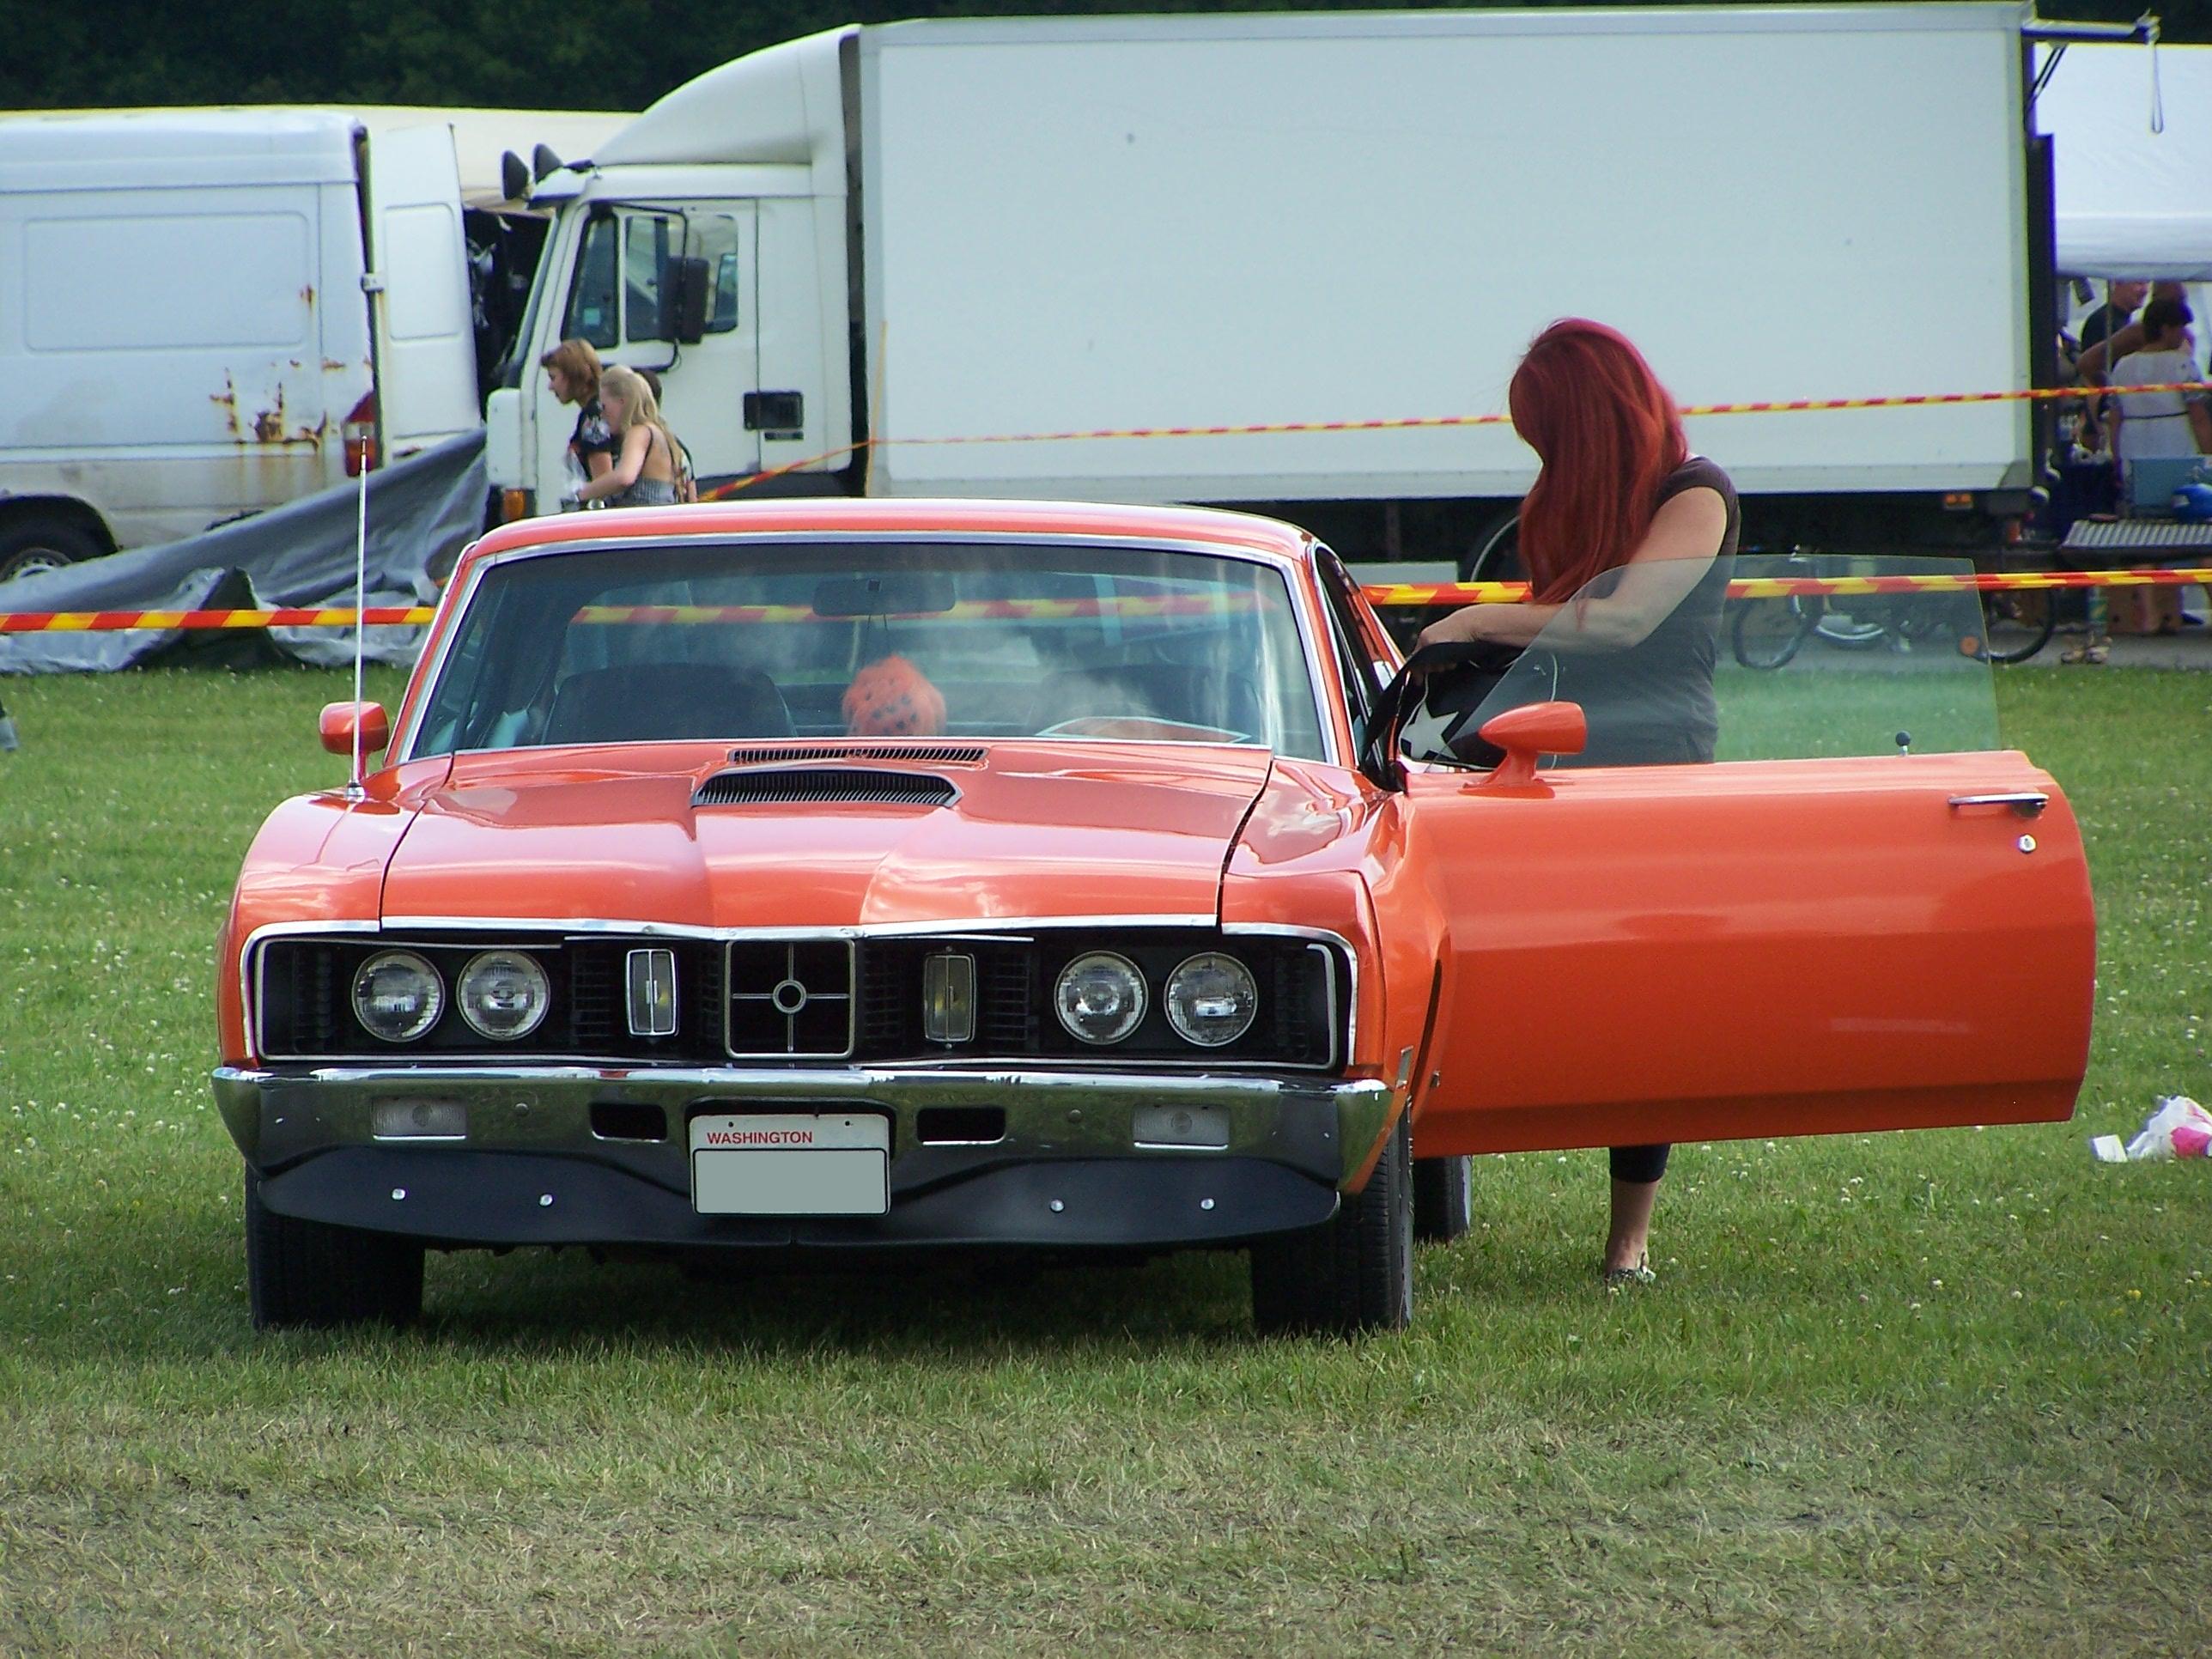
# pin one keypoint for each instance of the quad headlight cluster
(1210, 998)
(399, 996)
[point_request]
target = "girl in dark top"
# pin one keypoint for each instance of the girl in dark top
(1618, 497)
(571, 370)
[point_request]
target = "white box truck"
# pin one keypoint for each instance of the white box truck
(958, 230)
(184, 335)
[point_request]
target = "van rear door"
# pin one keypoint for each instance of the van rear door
(426, 372)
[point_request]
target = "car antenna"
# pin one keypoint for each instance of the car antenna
(372, 284)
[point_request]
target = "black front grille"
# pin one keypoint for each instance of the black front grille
(795, 754)
(791, 999)
(306, 1008)
(801, 1000)
(784, 785)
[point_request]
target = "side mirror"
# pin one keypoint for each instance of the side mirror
(1528, 733)
(514, 176)
(339, 720)
(686, 300)
(544, 163)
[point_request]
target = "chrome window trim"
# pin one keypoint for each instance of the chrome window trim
(1301, 594)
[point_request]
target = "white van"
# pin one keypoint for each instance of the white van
(189, 339)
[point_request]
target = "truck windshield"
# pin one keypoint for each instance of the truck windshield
(757, 640)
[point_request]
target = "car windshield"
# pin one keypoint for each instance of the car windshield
(760, 639)
(1775, 659)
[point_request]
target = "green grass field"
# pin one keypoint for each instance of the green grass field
(1944, 1393)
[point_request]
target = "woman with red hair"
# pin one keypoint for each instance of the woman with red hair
(1627, 539)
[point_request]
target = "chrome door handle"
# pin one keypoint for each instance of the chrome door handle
(2026, 802)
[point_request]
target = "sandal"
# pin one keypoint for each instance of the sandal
(2089, 650)
(1635, 1274)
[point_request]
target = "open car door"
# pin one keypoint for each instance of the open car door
(1837, 907)
(425, 331)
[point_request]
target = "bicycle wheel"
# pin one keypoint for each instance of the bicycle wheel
(2015, 626)
(1851, 633)
(1767, 633)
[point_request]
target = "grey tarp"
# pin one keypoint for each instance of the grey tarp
(422, 512)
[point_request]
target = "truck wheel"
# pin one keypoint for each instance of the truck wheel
(304, 1272)
(1353, 1272)
(43, 540)
(1443, 1198)
(1496, 555)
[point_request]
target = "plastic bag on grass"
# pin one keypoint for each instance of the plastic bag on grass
(2178, 1128)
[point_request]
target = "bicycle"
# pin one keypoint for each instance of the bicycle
(1767, 634)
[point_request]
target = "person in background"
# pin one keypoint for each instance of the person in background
(572, 370)
(687, 482)
(2124, 296)
(1618, 491)
(644, 471)
(2156, 426)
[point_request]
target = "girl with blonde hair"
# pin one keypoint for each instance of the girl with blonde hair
(646, 470)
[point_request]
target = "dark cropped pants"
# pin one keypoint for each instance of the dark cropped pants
(1639, 1162)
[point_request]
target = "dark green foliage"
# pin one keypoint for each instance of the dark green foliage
(522, 54)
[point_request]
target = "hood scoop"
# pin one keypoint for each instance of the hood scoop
(919, 754)
(821, 785)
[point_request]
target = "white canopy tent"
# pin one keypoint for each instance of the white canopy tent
(2132, 202)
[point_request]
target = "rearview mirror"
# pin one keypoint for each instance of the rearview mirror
(1529, 733)
(686, 297)
(339, 720)
(899, 593)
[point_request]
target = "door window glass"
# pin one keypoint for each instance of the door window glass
(591, 314)
(1777, 658)
(715, 238)
(646, 253)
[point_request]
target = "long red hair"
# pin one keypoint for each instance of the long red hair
(1608, 434)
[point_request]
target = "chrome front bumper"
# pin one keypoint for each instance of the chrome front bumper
(1069, 1170)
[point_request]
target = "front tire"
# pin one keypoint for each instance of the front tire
(1352, 1274)
(36, 542)
(306, 1273)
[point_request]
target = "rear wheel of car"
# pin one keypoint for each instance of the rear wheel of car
(1495, 555)
(1355, 1271)
(1443, 1198)
(43, 540)
(306, 1273)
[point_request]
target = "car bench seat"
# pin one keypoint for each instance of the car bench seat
(655, 702)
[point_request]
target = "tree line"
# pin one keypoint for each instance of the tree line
(519, 54)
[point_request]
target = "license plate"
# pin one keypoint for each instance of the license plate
(797, 1163)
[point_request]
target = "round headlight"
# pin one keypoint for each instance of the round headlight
(1100, 996)
(1210, 1000)
(397, 996)
(503, 995)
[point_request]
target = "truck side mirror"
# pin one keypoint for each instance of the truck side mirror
(514, 176)
(686, 299)
(338, 721)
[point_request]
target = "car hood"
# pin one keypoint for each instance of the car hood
(1035, 830)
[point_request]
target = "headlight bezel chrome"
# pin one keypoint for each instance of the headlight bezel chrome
(493, 961)
(425, 1023)
(1183, 1021)
(1133, 980)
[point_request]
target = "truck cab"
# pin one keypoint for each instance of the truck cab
(706, 241)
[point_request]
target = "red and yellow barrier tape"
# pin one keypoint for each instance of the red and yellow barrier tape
(1391, 594)
(1420, 422)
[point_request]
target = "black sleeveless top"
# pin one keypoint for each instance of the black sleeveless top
(1652, 703)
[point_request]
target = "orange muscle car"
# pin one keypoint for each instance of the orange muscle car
(855, 877)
